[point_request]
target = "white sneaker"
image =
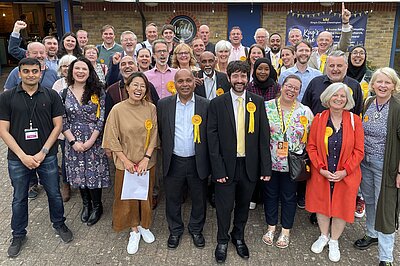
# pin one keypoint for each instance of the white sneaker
(133, 244)
(253, 205)
(147, 235)
(334, 252)
(319, 245)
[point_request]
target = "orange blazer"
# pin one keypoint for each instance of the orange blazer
(343, 201)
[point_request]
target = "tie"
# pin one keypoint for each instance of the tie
(240, 128)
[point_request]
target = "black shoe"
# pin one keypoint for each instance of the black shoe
(96, 214)
(198, 240)
(241, 248)
(16, 244)
(173, 241)
(33, 192)
(313, 219)
(86, 212)
(385, 263)
(211, 199)
(65, 234)
(301, 203)
(365, 242)
(87, 204)
(220, 253)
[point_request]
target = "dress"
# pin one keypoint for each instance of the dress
(90, 168)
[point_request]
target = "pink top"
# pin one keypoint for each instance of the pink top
(160, 80)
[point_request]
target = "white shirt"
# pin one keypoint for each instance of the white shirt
(210, 85)
(184, 138)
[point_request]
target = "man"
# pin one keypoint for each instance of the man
(204, 32)
(50, 43)
(261, 37)
(275, 44)
(198, 48)
(239, 155)
(151, 36)
(82, 37)
(336, 69)
(30, 122)
(325, 43)
(50, 27)
(238, 51)
(109, 46)
(168, 34)
(185, 158)
(295, 36)
(301, 69)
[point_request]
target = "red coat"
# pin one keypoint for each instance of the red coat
(343, 202)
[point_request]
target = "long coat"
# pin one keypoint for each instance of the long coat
(343, 201)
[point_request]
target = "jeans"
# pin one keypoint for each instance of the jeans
(49, 178)
(63, 172)
(372, 169)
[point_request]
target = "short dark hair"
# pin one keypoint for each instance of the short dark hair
(167, 27)
(29, 62)
(275, 33)
(238, 66)
(147, 96)
(305, 42)
(156, 42)
(292, 76)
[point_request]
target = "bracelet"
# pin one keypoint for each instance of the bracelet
(147, 156)
(72, 142)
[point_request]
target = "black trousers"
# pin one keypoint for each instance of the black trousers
(183, 171)
(234, 193)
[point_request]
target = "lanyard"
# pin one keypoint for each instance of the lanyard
(212, 87)
(282, 116)
(30, 112)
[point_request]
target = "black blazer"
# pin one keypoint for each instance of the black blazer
(222, 82)
(166, 110)
(221, 131)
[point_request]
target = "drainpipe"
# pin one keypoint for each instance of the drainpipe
(143, 19)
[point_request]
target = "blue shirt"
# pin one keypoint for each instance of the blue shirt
(305, 77)
(49, 77)
(184, 139)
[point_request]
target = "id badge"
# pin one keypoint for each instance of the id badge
(32, 133)
(283, 149)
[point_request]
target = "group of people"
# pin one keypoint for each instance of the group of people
(217, 120)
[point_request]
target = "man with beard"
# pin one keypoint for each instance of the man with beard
(301, 69)
(82, 37)
(325, 43)
(238, 139)
(295, 36)
(109, 46)
(204, 33)
(238, 51)
(50, 43)
(261, 37)
(198, 48)
(151, 36)
(275, 44)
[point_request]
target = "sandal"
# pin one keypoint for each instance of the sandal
(268, 238)
(283, 241)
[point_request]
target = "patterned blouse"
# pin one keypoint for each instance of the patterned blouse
(294, 133)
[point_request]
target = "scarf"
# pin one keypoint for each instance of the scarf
(263, 85)
(354, 72)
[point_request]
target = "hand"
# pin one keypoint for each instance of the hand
(39, 157)
(328, 175)
(129, 166)
(265, 178)
(398, 180)
(142, 166)
(199, 81)
(222, 180)
(19, 25)
(339, 175)
(116, 58)
(29, 161)
(78, 146)
(346, 14)
(108, 153)
(87, 145)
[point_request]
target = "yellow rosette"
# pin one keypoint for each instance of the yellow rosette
(95, 99)
(366, 118)
(101, 61)
(350, 90)
(148, 125)
(280, 62)
(365, 89)
(328, 133)
(196, 121)
(219, 92)
(304, 122)
(323, 62)
(251, 108)
(171, 87)
(242, 58)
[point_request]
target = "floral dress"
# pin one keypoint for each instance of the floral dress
(90, 168)
(294, 133)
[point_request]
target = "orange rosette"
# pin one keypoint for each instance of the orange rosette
(219, 92)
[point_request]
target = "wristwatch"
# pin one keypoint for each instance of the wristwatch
(45, 151)
(72, 142)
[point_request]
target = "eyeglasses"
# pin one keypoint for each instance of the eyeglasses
(358, 53)
(161, 51)
(291, 87)
(182, 53)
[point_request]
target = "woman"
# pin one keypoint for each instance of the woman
(381, 165)
(143, 59)
(92, 54)
(255, 52)
(85, 161)
(293, 131)
(336, 148)
(183, 57)
(264, 80)
(223, 51)
(59, 85)
(358, 69)
(131, 134)
(288, 58)
(69, 45)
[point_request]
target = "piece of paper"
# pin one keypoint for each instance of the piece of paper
(135, 186)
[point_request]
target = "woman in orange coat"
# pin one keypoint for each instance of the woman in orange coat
(336, 149)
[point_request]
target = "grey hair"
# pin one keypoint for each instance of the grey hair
(262, 29)
(331, 90)
(126, 33)
(65, 60)
(223, 45)
(338, 53)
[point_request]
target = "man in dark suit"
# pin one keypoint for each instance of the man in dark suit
(238, 140)
(182, 127)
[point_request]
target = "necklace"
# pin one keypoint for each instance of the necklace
(282, 117)
(377, 113)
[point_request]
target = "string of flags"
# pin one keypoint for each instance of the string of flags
(335, 14)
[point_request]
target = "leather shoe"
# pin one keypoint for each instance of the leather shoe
(198, 240)
(220, 253)
(365, 242)
(313, 219)
(173, 241)
(154, 202)
(241, 248)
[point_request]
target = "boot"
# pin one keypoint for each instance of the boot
(87, 204)
(97, 206)
(66, 192)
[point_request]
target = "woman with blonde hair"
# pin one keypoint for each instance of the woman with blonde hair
(183, 57)
(92, 54)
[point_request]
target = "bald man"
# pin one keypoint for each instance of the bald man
(204, 32)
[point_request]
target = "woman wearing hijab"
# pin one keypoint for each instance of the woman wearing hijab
(358, 69)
